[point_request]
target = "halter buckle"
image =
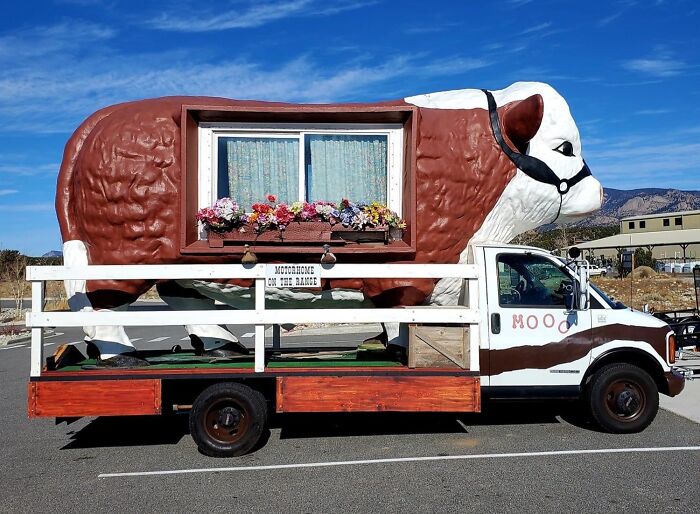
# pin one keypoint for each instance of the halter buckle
(563, 186)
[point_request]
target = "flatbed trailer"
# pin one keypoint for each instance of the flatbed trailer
(224, 395)
(528, 327)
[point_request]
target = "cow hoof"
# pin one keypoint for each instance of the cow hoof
(124, 360)
(230, 349)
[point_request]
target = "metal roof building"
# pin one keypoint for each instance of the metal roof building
(650, 240)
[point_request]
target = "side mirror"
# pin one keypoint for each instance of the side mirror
(574, 252)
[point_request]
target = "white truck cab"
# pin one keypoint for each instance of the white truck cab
(546, 332)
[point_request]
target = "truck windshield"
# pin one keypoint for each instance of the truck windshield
(613, 304)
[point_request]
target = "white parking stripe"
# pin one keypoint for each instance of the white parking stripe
(49, 344)
(400, 460)
(248, 334)
(185, 338)
(135, 339)
(14, 346)
(158, 339)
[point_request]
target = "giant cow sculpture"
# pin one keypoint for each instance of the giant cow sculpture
(482, 174)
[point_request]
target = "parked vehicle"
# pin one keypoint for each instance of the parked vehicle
(595, 271)
(531, 327)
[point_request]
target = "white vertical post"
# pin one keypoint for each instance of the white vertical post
(259, 329)
(37, 351)
(474, 330)
(276, 337)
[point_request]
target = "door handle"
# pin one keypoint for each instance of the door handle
(496, 323)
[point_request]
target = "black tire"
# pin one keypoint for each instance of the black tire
(228, 419)
(622, 398)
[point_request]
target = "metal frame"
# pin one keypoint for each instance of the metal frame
(38, 319)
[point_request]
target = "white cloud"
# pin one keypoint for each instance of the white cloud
(535, 28)
(651, 112)
(27, 170)
(54, 92)
(5, 192)
(661, 64)
(609, 19)
(255, 14)
(46, 40)
(28, 207)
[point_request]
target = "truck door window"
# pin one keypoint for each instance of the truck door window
(531, 281)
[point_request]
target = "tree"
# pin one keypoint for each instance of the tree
(12, 272)
(643, 257)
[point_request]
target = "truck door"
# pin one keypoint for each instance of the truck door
(532, 334)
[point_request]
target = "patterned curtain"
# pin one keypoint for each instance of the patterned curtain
(257, 166)
(352, 166)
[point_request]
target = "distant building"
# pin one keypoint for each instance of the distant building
(671, 236)
(657, 222)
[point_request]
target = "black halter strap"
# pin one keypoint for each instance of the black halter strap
(533, 167)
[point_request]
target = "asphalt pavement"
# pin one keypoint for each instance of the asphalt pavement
(513, 458)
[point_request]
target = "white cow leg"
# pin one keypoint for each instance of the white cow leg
(396, 334)
(109, 340)
(210, 336)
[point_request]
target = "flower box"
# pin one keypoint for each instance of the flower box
(307, 232)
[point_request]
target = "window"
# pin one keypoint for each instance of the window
(642, 224)
(666, 222)
(531, 281)
(678, 221)
(301, 162)
(631, 225)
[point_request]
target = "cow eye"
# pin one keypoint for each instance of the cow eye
(566, 148)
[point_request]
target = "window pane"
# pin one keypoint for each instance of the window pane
(251, 167)
(532, 281)
(352, 166)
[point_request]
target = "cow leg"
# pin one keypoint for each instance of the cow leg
(214, 340)
(110, 342)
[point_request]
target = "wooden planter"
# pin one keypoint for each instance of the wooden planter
(306, 232)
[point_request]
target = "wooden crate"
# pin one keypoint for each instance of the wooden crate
(434, 346)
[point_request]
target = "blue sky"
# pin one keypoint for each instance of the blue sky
(630, 71)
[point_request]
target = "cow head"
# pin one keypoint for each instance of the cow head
(552, 182)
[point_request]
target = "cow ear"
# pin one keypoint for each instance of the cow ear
(521, 120)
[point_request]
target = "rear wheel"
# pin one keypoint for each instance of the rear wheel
(228, 419)
(622, 398)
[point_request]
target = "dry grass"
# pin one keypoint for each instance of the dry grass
(661, 291)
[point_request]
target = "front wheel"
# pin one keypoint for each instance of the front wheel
(622, 398)
(228, 419)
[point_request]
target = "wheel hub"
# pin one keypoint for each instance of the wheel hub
(229, 417)
(627, 402)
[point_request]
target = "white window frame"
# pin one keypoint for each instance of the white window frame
(208, 152)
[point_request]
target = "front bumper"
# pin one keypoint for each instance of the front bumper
(675, 381)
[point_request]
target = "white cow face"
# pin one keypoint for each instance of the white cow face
(537, 122)
(558, 144)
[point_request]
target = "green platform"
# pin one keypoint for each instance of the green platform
(187, 360)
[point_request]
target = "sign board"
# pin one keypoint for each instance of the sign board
(627, 261)
(293, 275)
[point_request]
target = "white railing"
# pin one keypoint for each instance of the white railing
(38, 319)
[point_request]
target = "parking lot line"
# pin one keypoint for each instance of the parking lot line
(159, 339)
(400, 460)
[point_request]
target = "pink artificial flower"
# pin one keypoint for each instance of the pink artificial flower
(283, 214)
(308, 212)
